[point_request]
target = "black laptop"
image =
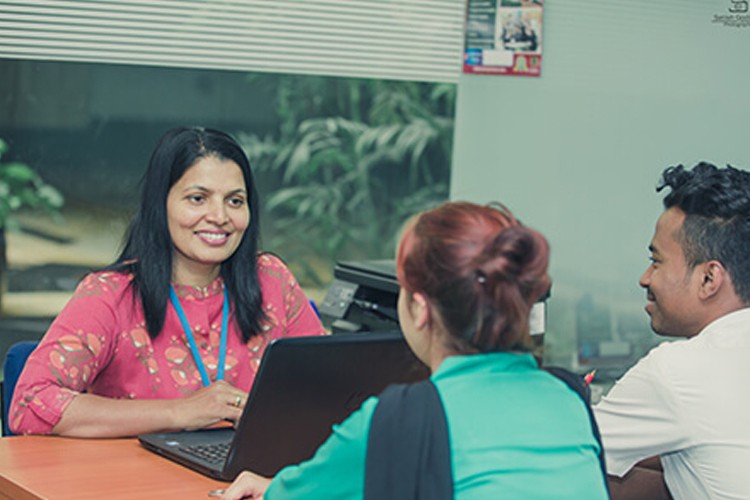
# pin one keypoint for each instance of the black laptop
(304, 386)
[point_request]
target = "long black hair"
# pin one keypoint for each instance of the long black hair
(147, 247)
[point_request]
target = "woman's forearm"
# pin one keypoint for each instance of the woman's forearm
(89, 415)
(93, 416)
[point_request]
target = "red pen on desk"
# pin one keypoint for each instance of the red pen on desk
(589, 377)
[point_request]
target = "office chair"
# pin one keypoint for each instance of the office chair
(15, 359)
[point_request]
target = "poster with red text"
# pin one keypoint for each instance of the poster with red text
(503, 37)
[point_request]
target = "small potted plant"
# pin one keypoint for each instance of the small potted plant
(22, 189)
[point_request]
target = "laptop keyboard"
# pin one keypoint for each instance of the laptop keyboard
(214, 453)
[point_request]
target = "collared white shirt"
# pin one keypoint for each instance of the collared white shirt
(687, 401)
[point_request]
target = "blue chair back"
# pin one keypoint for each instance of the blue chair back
(15, 359)
(314, 307)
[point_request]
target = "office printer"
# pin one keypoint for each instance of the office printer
(363, 297)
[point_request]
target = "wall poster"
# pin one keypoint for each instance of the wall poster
(503, 37)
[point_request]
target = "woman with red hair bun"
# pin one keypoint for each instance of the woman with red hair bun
(481, 270)
(489, 423)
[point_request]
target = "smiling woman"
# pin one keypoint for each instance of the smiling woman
(170, 335)
(207, 213)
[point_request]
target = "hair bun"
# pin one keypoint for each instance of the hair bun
(516, 256)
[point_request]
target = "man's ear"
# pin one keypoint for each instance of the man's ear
(714, 277)
(420, 310)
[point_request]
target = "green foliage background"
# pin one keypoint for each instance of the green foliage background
(351, 160)
(22, 188)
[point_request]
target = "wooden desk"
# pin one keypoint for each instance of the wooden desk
(33, 467)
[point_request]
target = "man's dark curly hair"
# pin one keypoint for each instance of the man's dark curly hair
(716, 202)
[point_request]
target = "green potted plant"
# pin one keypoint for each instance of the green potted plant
(22, 189)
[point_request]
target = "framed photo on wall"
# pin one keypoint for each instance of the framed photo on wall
(503, 37)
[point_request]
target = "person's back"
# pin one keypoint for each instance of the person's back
(516, 430)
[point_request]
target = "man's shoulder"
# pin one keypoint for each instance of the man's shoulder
(674, 365)
(659, 365)
(670, 349)
(734, 323)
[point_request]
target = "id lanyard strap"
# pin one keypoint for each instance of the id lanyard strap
(191, 339)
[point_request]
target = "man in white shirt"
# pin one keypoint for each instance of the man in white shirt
(681, 416)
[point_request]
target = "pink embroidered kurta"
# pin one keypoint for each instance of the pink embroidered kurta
(99, 344)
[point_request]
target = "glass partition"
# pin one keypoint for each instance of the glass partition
(340, 162)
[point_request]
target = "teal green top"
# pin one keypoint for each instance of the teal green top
(516, 432)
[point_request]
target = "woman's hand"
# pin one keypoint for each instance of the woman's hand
(219, 401)
(246, 485)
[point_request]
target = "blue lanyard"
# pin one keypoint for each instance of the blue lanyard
(191, 338)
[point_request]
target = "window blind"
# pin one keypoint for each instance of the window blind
(390, 39)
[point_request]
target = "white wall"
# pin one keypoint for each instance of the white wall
(627, 88)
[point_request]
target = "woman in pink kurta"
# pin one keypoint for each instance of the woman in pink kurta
(99, 343)
(139, 347)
